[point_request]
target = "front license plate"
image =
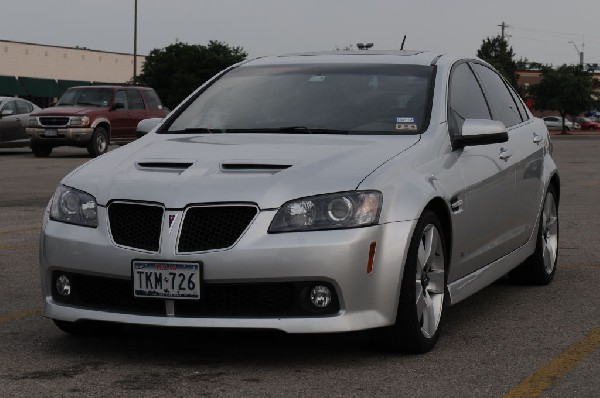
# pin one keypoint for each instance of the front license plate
(169, 280)
(51, 133)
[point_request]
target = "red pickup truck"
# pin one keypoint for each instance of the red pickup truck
(93, 117)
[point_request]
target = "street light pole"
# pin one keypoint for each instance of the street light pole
(579, 52)
(135, 42)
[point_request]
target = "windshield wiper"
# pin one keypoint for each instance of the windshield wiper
(195, 130)
(288, 129)
(87, 103)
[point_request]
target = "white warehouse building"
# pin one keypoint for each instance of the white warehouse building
(41, 73)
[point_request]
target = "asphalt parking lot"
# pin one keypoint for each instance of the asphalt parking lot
(507, 340)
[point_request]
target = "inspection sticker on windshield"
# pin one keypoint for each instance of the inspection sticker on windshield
(171, 280)
(405, 120)
(406, 126)
(317, 78)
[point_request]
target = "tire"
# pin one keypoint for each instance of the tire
(98, 145)
(422, 292)
(540, 267)
(41, 150)
(87, 328)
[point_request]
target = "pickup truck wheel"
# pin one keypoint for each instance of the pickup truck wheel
(41, 150)
(98, 145)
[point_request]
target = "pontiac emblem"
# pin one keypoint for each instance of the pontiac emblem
(172, 218)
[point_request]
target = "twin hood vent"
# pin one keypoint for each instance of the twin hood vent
(231, 167)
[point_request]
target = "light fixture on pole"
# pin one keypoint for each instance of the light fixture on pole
(579, 52)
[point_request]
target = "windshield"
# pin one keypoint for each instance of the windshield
(352, 99)
(86, 96)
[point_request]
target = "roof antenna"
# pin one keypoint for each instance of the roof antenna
(403, 40)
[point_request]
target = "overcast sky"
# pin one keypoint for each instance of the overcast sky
(539, 30)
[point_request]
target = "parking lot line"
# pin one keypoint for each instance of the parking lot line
(18, 315)
(548, 375)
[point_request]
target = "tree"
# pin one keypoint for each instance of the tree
(567, 90)
(497, 53)
(178, 69)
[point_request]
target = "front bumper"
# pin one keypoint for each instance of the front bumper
(338, 258)
(64, 135)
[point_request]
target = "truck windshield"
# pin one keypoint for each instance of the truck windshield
(313, 98)
(86, 96)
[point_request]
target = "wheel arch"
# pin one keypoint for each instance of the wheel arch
(441, 210)
(104, 123)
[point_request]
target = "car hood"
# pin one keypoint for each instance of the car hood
(260, 168)
(68, 111)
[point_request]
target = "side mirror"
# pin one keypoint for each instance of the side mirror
(481, 132)
(7, 112)
(147, 125)
(118, 105)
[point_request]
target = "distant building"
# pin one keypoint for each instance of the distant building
(41, 73)
(527, 78)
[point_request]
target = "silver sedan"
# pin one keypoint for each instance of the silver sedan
(311, 193)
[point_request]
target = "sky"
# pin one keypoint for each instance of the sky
(538, 30)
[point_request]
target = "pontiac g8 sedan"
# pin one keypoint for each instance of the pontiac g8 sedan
(310, 193)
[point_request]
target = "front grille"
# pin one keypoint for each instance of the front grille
(214, 227)
(273, 299)
(54, 121)
(136, 225)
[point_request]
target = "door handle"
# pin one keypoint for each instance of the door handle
(537, 138)
(505, 154)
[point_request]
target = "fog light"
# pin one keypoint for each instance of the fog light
(320, 296)
(63, 286)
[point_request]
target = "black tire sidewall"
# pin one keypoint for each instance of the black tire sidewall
(407, 324)
(93, 144)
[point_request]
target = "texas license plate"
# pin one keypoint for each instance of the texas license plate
(51, 133)
(166, 279)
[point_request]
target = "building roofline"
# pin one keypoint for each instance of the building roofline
(69, 48)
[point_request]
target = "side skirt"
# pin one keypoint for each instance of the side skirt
(474, 282)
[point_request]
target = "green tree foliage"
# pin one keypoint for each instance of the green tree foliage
(500, 55)
(567, 90)
(178, 69)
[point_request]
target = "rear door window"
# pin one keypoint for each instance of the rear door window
(135, 99)
(503, 106)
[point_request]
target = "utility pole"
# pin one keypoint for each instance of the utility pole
(503, 26)
(135, 43)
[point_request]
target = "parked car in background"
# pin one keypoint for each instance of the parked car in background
(93, 117)
(311, 193)
(587, 123)
(555, 123)
(14, 114)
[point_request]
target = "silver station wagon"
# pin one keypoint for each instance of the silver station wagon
(310, 193)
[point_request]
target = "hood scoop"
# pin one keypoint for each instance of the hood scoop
(163, 165)
(268, 168)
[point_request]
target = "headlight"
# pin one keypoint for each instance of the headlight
(74, 207)
(33, 121)
(79, 121)
(332, 211)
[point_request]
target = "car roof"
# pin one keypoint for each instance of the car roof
(11, 98)
(414, 57)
